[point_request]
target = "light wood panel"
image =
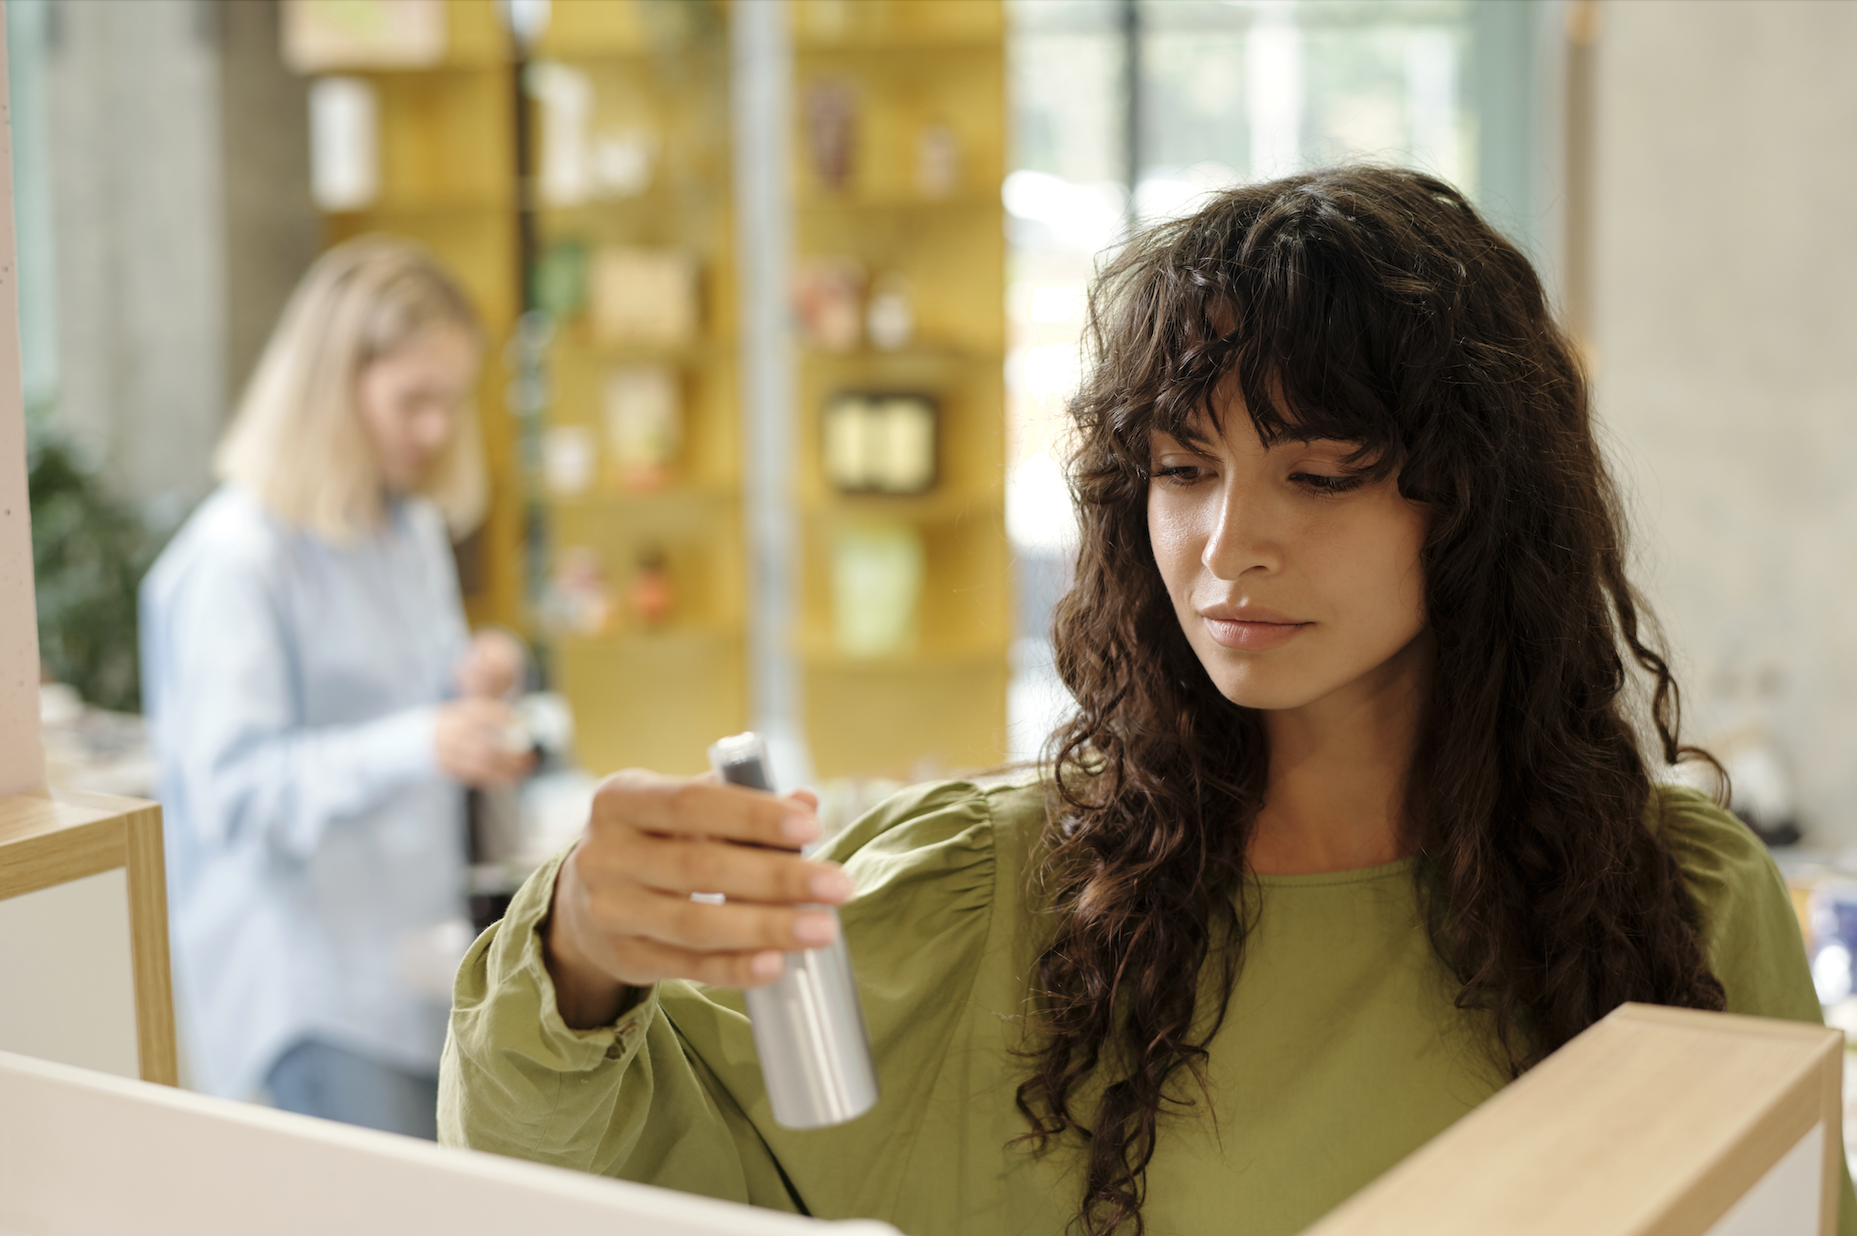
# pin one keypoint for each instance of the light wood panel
(46, 840)
(57, 836)
(1652, 1123)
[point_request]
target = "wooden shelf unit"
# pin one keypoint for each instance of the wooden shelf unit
(656, 697)
(908, 64)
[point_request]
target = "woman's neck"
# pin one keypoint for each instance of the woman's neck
(1336, 793)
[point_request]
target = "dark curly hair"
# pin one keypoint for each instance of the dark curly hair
(1375, 307)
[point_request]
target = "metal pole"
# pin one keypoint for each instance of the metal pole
(761, 104)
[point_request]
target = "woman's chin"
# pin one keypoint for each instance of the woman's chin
(405, 480)
(1266, 692)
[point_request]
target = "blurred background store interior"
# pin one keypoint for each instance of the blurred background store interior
(816, 486)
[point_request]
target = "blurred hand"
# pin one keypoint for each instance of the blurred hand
(492, 667)
(623, 917)
(479, 744)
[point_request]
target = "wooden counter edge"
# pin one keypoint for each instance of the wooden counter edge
(1801, 1089)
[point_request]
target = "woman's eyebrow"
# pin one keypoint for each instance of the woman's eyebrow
(1162, 440)
(1342, 443)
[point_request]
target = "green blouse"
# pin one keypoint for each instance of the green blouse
(1342, 1052)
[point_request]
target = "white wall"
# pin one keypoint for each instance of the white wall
(1725, 337)
(68, 977)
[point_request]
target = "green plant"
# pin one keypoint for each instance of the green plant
(89, 551)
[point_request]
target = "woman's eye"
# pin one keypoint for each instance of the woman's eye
(1320, 483)
(1178, 474)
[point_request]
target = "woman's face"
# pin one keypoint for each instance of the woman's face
(1296, 578)
(410, 399)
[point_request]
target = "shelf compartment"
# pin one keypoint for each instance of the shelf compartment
(654, 700)
(899, 721)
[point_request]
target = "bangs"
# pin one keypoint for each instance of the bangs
(1307, 300)
(1280, 412)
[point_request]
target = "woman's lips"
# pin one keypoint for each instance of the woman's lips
(1252, 635)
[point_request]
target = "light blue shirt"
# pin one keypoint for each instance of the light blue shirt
(292, 688)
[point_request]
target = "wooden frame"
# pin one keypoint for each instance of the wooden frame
(57, 836)
(1655, 1122)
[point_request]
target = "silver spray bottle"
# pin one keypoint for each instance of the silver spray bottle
(808, 1025)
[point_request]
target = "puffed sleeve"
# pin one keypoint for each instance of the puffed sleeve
(517, 1080)
(1749, 930)
(671, 1093)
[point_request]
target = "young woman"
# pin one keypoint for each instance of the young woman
(317, 702)
(1352, 823)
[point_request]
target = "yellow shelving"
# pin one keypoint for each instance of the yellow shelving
(939, 701)
(654, 694)
(907, 26)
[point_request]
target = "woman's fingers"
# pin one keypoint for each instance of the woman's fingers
(492, 666)
(624, 900)
(683, 866)
(665, 961)
(621, 909)
(470, 740)
(730, 927)
(655, 804)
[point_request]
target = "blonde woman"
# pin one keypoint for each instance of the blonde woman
(318, 704)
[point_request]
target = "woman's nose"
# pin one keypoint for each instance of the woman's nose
(1243, 538)
(432, 429)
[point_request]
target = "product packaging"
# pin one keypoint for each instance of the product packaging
(828, 299)
(644, 424)
(568, 455)
(877, 572)
(644, 297)
(880, 443)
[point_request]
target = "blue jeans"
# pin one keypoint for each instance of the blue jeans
(317, 1079)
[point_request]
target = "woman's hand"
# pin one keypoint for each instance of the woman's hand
(623, 916)
(479, 743)
(492, 668)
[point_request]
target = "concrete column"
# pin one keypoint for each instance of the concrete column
(273, 232)
(134, 110)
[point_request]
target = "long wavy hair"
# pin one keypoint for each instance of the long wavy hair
(1375, 307)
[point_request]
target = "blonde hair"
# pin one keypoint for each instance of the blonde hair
(297, 439)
